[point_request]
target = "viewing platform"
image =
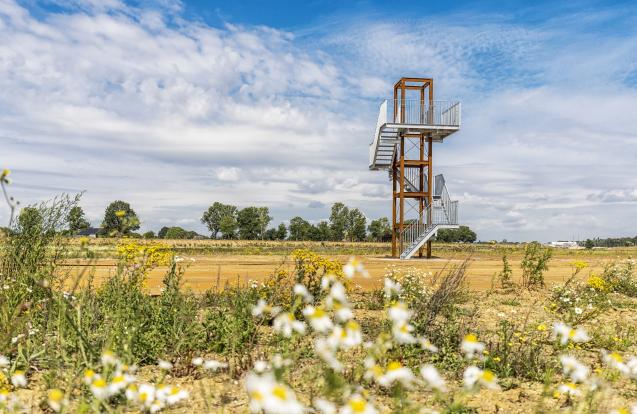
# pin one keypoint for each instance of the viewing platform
(438, 119)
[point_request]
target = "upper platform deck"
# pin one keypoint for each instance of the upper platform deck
(441, 118)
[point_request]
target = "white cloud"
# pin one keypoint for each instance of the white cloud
(172, 116)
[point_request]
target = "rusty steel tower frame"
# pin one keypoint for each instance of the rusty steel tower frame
(407, 127)
(421, 164)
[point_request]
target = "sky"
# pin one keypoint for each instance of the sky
(172, 105)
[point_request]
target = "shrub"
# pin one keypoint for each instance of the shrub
(620, 278)
(576, 301)
(534, 264)
(505, 275)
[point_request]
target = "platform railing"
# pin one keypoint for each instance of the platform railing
(417, 112)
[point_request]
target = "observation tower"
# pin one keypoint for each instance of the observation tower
(406, 130)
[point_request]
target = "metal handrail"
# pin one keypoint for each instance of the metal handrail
(443, 211)
(417, 112)
(382, 120)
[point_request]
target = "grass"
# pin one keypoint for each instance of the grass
(56, 324)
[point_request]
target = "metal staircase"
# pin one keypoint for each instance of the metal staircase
(441, 214)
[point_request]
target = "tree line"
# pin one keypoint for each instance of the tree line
(226, 221)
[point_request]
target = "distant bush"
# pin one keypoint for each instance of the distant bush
(534, 264)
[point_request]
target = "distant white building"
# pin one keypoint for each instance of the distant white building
(563, 244)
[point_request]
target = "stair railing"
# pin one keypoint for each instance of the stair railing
(382, 120)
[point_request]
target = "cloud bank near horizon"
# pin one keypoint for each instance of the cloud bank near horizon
(171, 114)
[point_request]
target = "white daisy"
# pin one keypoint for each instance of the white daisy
(319, 320)
(474, 376)
(471, 347)
(577, 371)
(18, 379)
(286, 324)
(432, 378)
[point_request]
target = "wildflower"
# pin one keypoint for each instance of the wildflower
(402, 333)
(4, 361)
(475, 376)
(301, 290)
(324, 406)
(470, 346)
(615, 361)
(165, 365)
(108, 358)
(212, 365)
(396, 372)
(569, 389)
(171, 395)
(427, 345)
(432, 378)
(392, 288)
(146, 397)
(399, 312)
(99, 388)
(354, 266)
(286, 324)
(18, 379)
(577, 371)
(261, 307)
(56, 400)
(319, 320)
(260, 366)
(352, 335)
(270, 396)
(327, 352)
(541, 327)
(373, 371)
(565, 333)
(336, 295)
(197, 361)
(118, 383)
(342, 313)
(120, 213)
(89, 376)
(358, 405)
(578, 311)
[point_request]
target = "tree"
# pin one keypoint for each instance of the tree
(356, 225)
(323, 231)
(119, 219)
(589, 244)
(299, 229)
(380, 230)
(149, 235)
(215, 213)
(338, 221)
(270, 234)
(460, 235)
(281, 232)
(228, 227)
(249, 221)
(76, 220)
(177, 233)
(162, 232)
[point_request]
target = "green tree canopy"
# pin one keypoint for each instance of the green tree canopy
(299, 229)
(339, 219)
(356, 225)
(149, 235)
(76, 220)
(119, 219)
(281, 232)
(380, 229)
(215, 213)
(162, 232)
(252, 222)
(460, 235)
(228, 227)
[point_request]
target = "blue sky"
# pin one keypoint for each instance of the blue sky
(173, 105)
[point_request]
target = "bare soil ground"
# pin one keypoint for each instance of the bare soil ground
(213, 263)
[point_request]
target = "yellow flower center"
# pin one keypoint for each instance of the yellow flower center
(56, 395)
(488, 376)
(358, 405)
(318, 313)
(394, 365)
(471, 338)
(100, 383)
(280, 392)
(571, 333)
(256, 395)
(616, 357)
